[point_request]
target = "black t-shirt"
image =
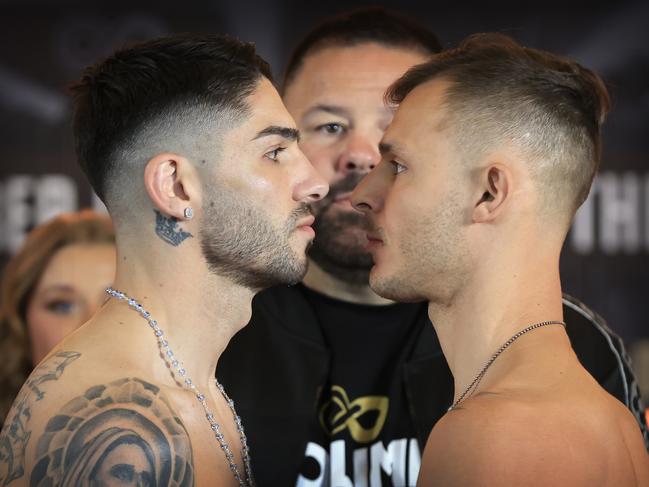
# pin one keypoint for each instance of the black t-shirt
(275, 367)
(363, 434)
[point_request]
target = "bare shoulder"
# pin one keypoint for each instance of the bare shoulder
(68, 427)
(496, 441)
(630, 443)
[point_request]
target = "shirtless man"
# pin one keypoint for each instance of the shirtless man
(190, 147)
(338, 386)
(492, 150)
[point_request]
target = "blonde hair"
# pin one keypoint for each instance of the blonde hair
(21, 275)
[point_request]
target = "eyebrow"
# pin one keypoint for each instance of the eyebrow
(334, 110)
(289, 133)
(56, 288)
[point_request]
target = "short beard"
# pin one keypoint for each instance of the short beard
(239, 242)
(332, 250)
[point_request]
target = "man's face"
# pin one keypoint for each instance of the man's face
(125, 465)
(336, 98)
(257, 221)
(417, 202)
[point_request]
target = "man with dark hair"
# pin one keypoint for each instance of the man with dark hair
(320, 376)
(492, 149)
(189, 145)
(337, 385)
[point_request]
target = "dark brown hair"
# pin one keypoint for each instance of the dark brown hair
(369, 24)
(155, 91)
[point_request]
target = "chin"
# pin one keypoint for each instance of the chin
(299, 251)
(298, 269)
(303, 266)
(395, 287)
(286, 268)
(381, 284)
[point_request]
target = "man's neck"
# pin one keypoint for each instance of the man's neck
(199, 314)
(329, 285)
(489, 311)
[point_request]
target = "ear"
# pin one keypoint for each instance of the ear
(494, 188)
(172, 184)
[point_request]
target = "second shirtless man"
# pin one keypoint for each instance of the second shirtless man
(189, 145)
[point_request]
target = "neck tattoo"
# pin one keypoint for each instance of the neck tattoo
(474, 385)
(175, 364)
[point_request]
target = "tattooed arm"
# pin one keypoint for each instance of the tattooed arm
(16, 432)
(121, 432)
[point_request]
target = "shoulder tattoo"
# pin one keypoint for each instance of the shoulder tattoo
(122, 432)
(16, 432)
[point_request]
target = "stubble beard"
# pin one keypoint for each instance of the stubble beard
(434, 260)
(239, 241)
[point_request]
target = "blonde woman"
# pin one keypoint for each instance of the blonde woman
(55, 282)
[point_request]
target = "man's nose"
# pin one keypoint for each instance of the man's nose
(312, 186)
(361, 155)
(367, 197)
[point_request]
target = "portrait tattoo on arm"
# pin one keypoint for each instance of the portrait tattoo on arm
(16, 433)
(120, 433)
(166, 229)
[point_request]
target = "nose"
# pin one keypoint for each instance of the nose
(368, 195)
(311, 187)
(361, 154)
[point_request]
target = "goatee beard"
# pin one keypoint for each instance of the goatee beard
(336, 250)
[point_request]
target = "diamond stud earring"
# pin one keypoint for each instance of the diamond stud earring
(189, 213)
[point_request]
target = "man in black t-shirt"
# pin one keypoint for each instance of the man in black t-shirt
(337, 386)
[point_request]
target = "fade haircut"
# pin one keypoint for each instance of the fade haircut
(370, 24)
(547, 107)
(156, 95)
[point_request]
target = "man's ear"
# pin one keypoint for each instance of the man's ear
(494, 188)
(172, 184)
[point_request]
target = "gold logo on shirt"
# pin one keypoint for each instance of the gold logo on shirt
(339, 413)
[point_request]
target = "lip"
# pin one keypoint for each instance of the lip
(306, 222)
(307, 229)
(373, 241)
(304, 225)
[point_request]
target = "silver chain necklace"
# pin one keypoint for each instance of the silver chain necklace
(473, 386)
(170, 358)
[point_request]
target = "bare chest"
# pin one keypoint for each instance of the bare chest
(216, 444)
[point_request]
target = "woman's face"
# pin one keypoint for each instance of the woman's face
(70, 291)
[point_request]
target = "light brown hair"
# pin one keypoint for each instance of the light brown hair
(547, 106)
(21, 276)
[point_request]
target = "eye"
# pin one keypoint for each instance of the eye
(274, 154)
(331, 128)
(61, 307)
(123, 472)
(397, 168)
